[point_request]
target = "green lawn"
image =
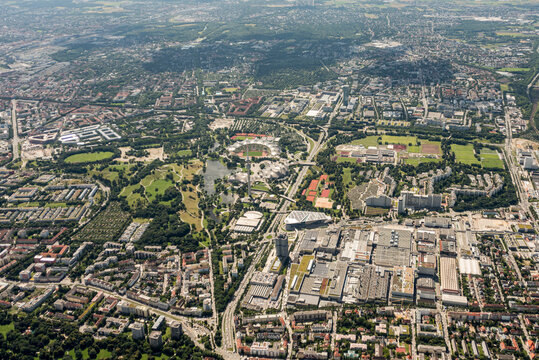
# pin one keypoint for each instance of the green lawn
(120, 167)
(515, 70)
(112, 172)
(103, 354)
(464, 154)
(154, 184)
(402, 140)
(4, 329)
(184, 153)
(141, 220)
(148, 180)
(167, 334)
(55, 205)
(88, 157)
(342, 159)
(347, 176)
(305, 263)
(511, 34)
(193, 168)
(191, 214)
(417, 161)
(132, 197)
(260, 186)
(368, 141)
(490, 159)
(157, 187)
(109, 175)
(311, 143)
(146, 356)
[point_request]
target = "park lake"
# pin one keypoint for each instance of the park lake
(214, 170)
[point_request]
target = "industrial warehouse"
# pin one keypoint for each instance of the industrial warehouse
(332, 264)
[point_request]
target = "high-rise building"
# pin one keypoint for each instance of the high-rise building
(345, 94)
(156, 340)
(281, 247)
(137, 330)
(413, 201)
(175, 330)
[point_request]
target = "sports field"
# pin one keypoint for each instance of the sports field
(375, 211)
(491, 159)
(464, 154)
(368, 141)
(425, 147)
(431, 147)
(252, 153)
(402, 140)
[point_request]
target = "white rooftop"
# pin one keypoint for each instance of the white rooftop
(305, 217)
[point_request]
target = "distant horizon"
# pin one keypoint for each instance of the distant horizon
(230, 180)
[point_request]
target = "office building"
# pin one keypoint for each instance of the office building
(281, 247)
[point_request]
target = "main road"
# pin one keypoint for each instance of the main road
(514, 168)
(294, 187)
(228, 327)
(14, 126)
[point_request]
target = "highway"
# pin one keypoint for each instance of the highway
(215, 317)
(424, 100)
(414, 321)
(290, 332)
(514, 168)
(292, 190)
(15, 128)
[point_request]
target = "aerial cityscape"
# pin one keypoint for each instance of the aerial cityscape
(269, 179)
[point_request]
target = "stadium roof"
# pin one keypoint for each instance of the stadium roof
(305, 217)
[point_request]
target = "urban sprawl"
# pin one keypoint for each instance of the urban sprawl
(269, 180)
